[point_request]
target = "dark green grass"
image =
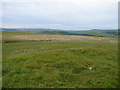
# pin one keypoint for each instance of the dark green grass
(19, 33)
(60, 64)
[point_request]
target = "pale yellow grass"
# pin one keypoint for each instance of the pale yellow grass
(55, 37)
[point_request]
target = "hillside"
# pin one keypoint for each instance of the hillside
(94, 32)
(32, 60)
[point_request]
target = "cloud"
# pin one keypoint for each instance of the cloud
(68, 14)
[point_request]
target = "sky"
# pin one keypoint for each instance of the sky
(59, 14)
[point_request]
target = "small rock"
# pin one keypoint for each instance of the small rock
(90, 68)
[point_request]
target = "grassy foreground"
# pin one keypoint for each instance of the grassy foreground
(75, 63)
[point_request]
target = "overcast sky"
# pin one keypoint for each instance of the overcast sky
(60, 14)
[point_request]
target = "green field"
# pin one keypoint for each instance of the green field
(76, 62)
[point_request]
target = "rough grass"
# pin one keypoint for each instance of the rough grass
(60, 64)
(11, 37)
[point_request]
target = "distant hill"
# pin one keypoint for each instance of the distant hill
(93, 32)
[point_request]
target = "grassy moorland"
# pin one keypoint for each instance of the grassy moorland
(93, 32)
(59, 61)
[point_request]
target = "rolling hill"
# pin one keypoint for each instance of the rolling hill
(93, 32)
